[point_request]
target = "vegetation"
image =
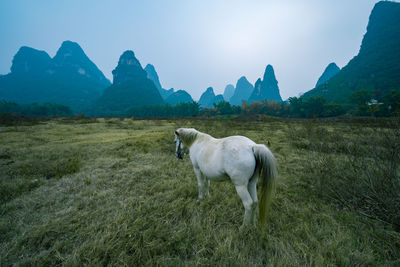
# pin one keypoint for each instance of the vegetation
(376, 104)
(297, 108)
(165, 111)
(39, 110)
(357, 167)
(111, 192)
(363, 104)
(222, 108)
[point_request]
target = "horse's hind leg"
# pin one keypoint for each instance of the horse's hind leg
(247, 203)
(252, 186)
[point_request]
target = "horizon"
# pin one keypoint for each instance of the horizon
(202, 52)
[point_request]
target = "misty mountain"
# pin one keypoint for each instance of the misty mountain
(267, 88)
(208, 98)
(331, 70)
(152, 75)
(179, 96)
(30, 61)
(228, 92)
(130, 88)
(70, 78)
(256, 94)
(242, 92)
(376, 68)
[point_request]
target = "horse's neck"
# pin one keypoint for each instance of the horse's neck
(203, 137)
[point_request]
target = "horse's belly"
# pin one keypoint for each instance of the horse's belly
(216, 177)
(212, 168)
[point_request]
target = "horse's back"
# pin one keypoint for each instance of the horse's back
(239, 160)
(219, 159)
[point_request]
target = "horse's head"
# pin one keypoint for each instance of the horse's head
(178, 146)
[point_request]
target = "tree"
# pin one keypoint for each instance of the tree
(391, 104)
(223, 108)
(361, 98)
(314, 106)
(296, 107)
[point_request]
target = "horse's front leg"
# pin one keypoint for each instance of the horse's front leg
(200, 182)
(207, 186)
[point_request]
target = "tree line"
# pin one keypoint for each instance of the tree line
(35, 110)
(361, 103)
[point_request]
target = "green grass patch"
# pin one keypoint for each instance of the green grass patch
(111, 192)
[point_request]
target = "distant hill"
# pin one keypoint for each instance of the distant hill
(208, 98)
(242, 92)
(29, 61)
(152, 75)
(256, 94)
(376, 68)
(130, 88)
(228, 92)
(331, 70)
(267, 88)
(70, 78)
(179, 96)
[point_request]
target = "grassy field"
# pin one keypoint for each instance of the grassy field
(111, 192)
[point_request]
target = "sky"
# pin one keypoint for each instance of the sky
(194, 44)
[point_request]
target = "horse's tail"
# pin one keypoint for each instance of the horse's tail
(266, 165)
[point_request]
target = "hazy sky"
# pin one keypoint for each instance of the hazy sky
(195, 44)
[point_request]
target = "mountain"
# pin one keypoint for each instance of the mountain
(70, 78)
(328, 73)
(228, 92)
(152, 75)
(208, 98)
(376, 68)
(130, 88)
(30, 61)
(71, 60)
(256, 94)
(218, 98)
(128, 68)
(267, 88)
(242, 92)
(179, 96)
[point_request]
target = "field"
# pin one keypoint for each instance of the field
(111, 192)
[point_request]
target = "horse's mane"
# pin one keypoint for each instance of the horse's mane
(187, 135)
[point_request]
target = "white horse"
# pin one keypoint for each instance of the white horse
(237, 158)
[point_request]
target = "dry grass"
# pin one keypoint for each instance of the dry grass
(111, 192)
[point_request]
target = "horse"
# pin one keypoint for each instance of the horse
(236, 158)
